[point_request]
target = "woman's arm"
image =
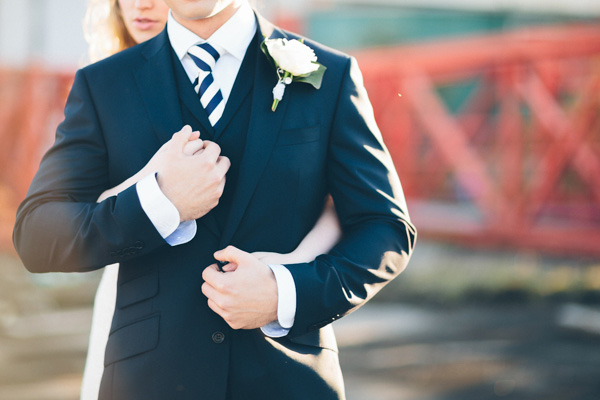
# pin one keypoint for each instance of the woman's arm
(192, 147)
(322, 237)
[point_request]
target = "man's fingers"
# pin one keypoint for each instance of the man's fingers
(183, 135)
(230, 267)
(217, 309)
(223, 164)
(211, 293)
(211, 152)
(186, 131)
(230, 319)
(221, 187)
(232, 254)
(194, 136)
(213, 276)
(192, 147)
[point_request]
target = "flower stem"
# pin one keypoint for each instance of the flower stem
(280, 88)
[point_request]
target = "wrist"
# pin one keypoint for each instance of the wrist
(274, 289)
(165, 189)
(160, 210)
(295, 257)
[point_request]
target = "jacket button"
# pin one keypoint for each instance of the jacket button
(218, 337)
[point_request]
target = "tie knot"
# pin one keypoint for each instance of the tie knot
(204, 56)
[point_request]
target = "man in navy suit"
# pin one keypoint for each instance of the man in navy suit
(259, 184)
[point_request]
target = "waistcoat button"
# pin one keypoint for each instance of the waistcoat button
(218, 337)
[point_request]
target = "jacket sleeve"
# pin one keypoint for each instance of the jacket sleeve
(59, 225)
(378, 237)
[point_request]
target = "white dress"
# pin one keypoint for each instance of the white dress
(104, 308)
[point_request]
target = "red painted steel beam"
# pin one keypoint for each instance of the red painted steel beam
(532, 121)
(461, 56)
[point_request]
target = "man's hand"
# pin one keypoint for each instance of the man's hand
(193, 183)
(246, 296)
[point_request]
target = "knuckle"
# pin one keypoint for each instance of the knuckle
(234, 323)
(215, 179)
(205, 164)
(214, 147)
(230, 317)
(206, 275)
(211, 305)
(226, 306)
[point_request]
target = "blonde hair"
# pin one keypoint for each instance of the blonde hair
(105, 30)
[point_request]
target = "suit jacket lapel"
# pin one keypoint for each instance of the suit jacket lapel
(241, 87)
(262, 132)
(156, 82)
(158, 87)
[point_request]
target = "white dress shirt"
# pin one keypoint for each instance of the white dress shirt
(232, 40)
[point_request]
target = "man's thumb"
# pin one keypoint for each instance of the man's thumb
(231, 254)
(182, 137)
(194, 135)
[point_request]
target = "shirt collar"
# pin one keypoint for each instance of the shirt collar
(233, 37)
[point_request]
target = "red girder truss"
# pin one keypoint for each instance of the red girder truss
(516, 163)
(31, 106)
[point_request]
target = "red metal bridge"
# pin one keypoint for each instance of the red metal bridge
(517, 163)
(496, 138)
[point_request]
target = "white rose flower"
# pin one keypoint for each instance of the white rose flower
(294, 62)
(292, 56)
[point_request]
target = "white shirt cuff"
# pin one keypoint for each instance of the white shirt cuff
(286, 303)
(162, 213)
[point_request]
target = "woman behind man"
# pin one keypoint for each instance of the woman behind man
(112, 26)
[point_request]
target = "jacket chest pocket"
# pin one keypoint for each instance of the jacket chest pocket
(298, 136)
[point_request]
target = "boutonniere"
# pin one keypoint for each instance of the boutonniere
(295, 62)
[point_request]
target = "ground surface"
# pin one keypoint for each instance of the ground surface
(471, 353)
(388, 352)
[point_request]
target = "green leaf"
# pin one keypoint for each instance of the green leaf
(314, 78)
(265, 50)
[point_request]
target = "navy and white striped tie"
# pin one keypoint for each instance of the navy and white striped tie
(205, 57)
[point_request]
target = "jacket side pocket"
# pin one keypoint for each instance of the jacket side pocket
(131, 340)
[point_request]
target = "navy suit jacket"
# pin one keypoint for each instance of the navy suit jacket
(165, 342)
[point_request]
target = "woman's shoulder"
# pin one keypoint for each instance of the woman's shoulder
(125, 60)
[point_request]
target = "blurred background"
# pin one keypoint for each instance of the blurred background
(490, 110)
